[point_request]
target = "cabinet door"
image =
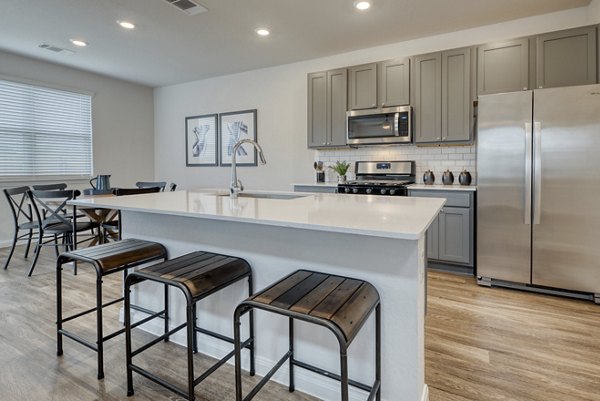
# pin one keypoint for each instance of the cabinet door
(395, 83)
(456, 95)
(363, 87)
(317, 109)
(428, 98)
(337, 84)
(432, 240)
(503, 67)
(454, 235)
(566, 58)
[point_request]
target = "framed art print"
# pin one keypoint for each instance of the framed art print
(235, 126)
(201, 140)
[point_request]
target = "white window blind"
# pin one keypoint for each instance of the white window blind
(44, 131)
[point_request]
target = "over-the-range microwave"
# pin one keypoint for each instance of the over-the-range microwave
(392, 125)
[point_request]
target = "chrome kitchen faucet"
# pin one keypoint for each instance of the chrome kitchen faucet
(236, 185)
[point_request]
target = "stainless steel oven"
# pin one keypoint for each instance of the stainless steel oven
(391, 125)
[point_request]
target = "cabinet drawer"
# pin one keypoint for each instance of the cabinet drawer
(453, 198)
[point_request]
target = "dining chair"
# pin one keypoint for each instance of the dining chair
(22, 217)
(55, 221)
(135, 191)
(151, 184)
(172, 187)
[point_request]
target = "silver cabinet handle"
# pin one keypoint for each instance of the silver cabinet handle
(528, 189)
(537, 171)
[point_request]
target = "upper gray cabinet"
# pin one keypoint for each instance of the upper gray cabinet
(503, 67)
(384, 84)
(442, 97)
(362, 87)
(327, 103)
(566, 58)
(394, 83)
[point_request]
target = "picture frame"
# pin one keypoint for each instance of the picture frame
(234, 126)
(201, 141)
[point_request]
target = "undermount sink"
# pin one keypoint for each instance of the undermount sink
(266, 196)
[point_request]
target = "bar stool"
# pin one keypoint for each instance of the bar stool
(106, 259)
(197, 275)
(338, 303)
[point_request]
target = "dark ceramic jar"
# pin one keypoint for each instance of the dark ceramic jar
(464, 178)
(428, 178)
(447, 178)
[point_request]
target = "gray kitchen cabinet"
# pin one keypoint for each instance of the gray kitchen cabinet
(362, 87)
(566, 58)
(327, 102)
(450, 239)
(394, 85)
(384, 84)
(442, 97)
(330, 189)
(503, 67)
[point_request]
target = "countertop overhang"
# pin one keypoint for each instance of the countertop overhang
(380, 216)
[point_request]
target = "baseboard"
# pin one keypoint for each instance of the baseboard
(308, 382)
(425, 396)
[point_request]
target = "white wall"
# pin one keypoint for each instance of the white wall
(280, 95)
(122, 123)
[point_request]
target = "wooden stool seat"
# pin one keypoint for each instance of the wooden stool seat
(197, 275)
(341, 304)
(107, 258)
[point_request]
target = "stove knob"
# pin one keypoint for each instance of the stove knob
(383, 191)
(347, 190)
(355, 190)
(369, 190)
(392, 191)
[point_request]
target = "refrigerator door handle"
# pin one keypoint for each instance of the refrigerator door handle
(537, 171)
(528, 155)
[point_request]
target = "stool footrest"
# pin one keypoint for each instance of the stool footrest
(85, 312)
(331, 375)
(158, 380)
(160, 314)
(268, 376)
(219, 363)
(157, 340)
(78, 339)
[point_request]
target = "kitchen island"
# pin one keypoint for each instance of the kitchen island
(378, 239)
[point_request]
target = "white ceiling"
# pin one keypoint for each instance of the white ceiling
(169, 47)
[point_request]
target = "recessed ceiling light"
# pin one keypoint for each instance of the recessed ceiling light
(362, 5)
(126, 24)
(79, 43)
(263, 32)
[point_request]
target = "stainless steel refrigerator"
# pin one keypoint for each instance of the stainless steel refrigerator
(538, 197)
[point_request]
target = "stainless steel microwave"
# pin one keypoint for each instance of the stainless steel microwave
(386, 126)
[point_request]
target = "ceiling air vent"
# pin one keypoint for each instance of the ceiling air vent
(188, 6)
(55, 49)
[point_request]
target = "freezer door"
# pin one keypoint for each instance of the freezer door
(504, 186)
(566, 236)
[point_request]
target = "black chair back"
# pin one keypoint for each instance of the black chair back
(20, 208)
(51, 208)
(150, 184)
(135, 191)
(49, 187)
(172, 187)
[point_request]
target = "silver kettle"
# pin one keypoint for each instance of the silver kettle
(102, 182)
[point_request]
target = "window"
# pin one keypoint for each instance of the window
(44, 131)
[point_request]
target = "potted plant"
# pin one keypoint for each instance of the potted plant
(341, 168)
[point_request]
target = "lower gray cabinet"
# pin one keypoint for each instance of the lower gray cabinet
(331, 189)
(450, 240)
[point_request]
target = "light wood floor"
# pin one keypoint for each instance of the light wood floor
(481, 344)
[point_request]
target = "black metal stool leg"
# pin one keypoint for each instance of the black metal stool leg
(344, 372)
(237, 342)
(59, 342)
(191, 335)
(251, 328)
(194, 324)
(292, 385)
(100, 342)
(378, 349)
(166, 311)
(129, 358)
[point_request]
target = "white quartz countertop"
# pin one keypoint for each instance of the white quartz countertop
(381, 216)
(441, 187)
